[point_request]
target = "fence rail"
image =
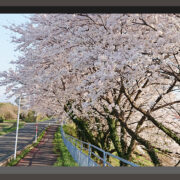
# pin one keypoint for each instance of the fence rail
(82, 152)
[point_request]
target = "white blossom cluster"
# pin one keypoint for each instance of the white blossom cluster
(88, 57)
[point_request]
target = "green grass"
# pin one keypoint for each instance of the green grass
(136, 158)
(13, 162)
(70, 129)
(142, 161)
(44, 119)
(65, 158)
(10, 120)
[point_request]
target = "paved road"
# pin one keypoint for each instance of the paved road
(43, 154)
(26, 136)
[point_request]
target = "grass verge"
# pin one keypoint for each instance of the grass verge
(70, 129)
(44, 119)
(14, 162)
(65, 158)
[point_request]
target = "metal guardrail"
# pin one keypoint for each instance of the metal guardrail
(82, 152)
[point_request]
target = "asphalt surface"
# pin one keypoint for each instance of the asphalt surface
(26, 136)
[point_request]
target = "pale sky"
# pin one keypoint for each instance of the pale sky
(7, 48)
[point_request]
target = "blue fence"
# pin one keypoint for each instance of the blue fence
(82, 152)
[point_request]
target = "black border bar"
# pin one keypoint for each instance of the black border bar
(89, 3)
(90, 170)
(90, 9)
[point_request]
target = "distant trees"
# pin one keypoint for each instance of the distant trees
(114, 75)
(2, 118)
(29, 116)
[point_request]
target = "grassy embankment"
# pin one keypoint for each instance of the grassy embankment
(65, 158)
(137, 158)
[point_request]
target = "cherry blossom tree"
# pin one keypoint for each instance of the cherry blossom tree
(115, 74)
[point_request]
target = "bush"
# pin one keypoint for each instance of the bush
(2, 119)
(22, 116)
(29, 117)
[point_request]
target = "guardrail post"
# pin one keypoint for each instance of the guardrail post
(89, 154)
(104, 158)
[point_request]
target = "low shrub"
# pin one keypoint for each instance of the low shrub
(2, 119)
(28, 117)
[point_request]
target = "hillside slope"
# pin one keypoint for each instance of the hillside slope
(8, 110)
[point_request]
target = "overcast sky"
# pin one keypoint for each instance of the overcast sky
(7, 49)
